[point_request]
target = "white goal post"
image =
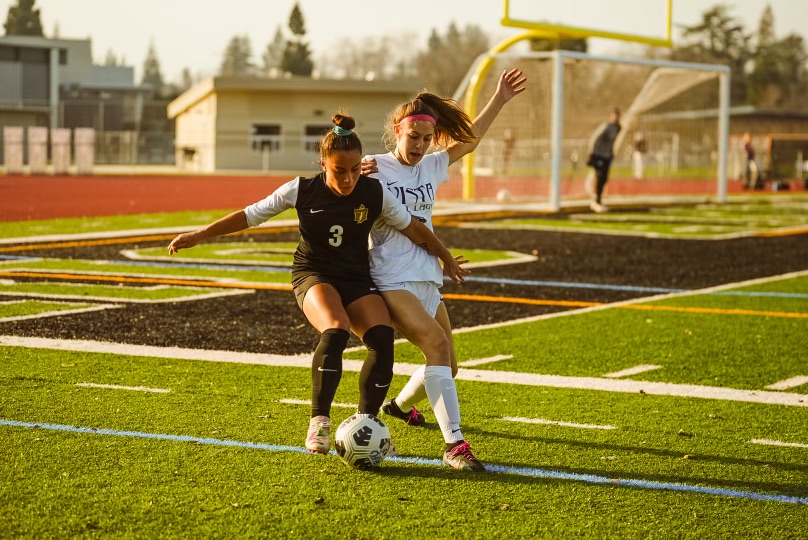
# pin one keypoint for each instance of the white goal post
(673, 141)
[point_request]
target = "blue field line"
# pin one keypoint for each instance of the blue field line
(18, 258)
(519, 471)
(626, 288)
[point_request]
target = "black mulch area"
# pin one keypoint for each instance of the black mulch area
(271, 322)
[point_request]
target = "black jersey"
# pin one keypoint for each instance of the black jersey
(333, 228)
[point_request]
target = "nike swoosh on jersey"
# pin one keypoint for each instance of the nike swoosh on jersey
(313, 211)
(391, 184)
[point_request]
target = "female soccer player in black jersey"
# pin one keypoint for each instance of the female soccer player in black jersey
(330, 274)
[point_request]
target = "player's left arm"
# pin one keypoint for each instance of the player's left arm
(511, 83)
(425, 238)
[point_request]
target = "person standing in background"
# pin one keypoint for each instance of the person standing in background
(601, 157)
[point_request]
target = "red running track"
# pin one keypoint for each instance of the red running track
(46, 197)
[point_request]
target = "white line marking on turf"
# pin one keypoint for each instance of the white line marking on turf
(401, 368)
(122, 234)
(521, 471)
(642, 368)
(291, 401)
(58, 313)
(778, 443)
(793, 382)
(515, 258)
(481, 361)
(641, 300)
(116, 387)
(554, 423)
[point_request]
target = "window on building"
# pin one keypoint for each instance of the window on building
(266, 137)
(314, 133)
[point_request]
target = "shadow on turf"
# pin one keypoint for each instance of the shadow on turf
(794, 489)
(403, 470)
(644, 450)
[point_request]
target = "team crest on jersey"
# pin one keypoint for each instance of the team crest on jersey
(360, 215)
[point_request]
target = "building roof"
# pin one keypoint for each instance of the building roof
(211, 85)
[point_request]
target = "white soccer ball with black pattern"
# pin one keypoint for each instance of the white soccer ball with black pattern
(362, 441)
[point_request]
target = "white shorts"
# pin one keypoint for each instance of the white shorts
(425, 291)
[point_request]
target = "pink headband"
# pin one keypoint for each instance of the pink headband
(417, 117)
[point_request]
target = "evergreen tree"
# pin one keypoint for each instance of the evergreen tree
(447, 58)
(547, 45)
(111, 59)
(719, 39)
(273, 55)
(237, 57)
(23, 20)
(296, 56)
(187, 79)
(779, 73)
(151, 71)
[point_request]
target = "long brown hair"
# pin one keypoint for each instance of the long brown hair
(332, 143)
(452, 124)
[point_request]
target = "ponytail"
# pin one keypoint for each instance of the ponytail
(452, 124)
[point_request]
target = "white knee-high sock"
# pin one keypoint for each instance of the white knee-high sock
(413, 391)
(442, 393)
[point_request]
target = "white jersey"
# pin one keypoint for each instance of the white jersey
(393, 256)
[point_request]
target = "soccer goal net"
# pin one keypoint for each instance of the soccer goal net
(672, 141)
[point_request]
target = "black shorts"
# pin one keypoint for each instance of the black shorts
(349, 290)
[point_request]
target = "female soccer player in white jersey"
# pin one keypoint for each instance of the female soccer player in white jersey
(409, 278)
(330, 273)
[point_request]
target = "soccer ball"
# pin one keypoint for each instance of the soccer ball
(362, 441)
(503, 196)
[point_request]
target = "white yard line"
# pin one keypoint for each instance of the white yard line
(190, 298)
(291, 401)
(44, 314)
(778, 443)
(488, 376)
(481, 361)
(132, 388)
(515, 258)
(99, 235)
(184, 277)
(642, 300)
(135, 256)
(554, 423)
(642, 368)
(793, 382)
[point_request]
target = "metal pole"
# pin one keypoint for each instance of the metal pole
(54, 88)
(723, 134)
(557, 129)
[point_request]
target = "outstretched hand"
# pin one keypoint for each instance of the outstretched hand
(183, 241)
(454, 270)
(511, 83)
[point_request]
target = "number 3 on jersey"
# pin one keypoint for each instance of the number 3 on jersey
(336, 239)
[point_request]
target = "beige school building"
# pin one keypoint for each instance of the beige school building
(254, 124)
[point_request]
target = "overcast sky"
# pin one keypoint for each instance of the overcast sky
(194, 33)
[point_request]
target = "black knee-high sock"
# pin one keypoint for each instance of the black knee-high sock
(377, 371)
(326, 370)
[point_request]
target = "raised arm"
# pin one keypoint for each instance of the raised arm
(511, 83)
(422, 236)
(237, 221)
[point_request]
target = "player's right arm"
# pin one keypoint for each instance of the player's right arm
(282, 198)
(237, 221)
